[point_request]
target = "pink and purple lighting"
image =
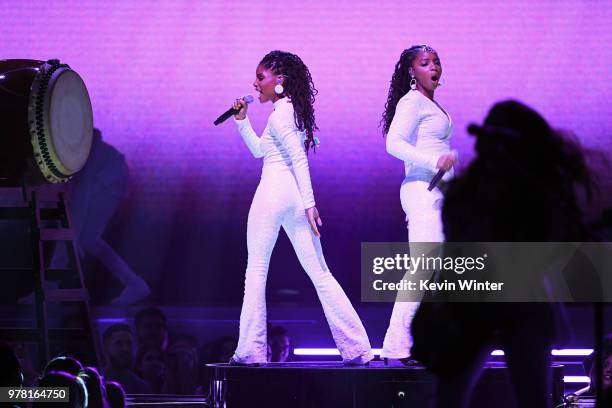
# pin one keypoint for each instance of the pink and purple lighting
(159, 73)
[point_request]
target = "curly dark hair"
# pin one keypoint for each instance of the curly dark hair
(299, 86)
(400, 83)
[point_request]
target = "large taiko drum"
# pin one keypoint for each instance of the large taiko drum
(46, 122)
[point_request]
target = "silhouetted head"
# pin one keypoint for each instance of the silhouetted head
(77, 392)
(10, 368)
(522, 184)
(115, 396)
(95, 386)
(516, 138)
(67, 364)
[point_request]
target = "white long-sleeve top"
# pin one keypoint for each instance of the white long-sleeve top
(281, 144)
(419, 134)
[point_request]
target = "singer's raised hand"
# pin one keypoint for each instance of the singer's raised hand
(446, 161)
(241, 106)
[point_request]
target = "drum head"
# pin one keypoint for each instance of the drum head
(70, 122)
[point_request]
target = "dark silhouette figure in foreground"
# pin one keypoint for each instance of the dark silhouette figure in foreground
(520, 188)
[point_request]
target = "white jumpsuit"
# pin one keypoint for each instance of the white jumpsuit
(283, 194)
(419, 134)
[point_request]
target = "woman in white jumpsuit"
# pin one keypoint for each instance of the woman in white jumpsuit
(285, 198)
(418, 132)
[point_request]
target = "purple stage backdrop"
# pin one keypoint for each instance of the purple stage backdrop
(159, 72)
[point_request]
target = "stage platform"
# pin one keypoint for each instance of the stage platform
(331, 384)
(165, 400)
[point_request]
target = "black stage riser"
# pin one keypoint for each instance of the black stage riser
(320, 385)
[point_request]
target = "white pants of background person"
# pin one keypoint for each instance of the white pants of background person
(424, 218)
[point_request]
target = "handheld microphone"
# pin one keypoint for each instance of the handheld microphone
(436, 179)
(231, 111)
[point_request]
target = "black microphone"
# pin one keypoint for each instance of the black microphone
(231, 111)
(436, 179)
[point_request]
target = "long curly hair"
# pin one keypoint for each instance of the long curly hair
(400, 83)
(299, 87)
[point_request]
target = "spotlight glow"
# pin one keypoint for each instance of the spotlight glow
(335, 352)
(324, 352)
(576, 379)
(572, 352)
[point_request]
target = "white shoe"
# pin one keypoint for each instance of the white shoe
(363, 360)
(132, 293)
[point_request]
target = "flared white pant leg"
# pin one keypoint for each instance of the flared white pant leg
(424, 217)
(345, 325)
(263, 224)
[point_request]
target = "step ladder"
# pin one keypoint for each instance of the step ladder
(42, 236)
